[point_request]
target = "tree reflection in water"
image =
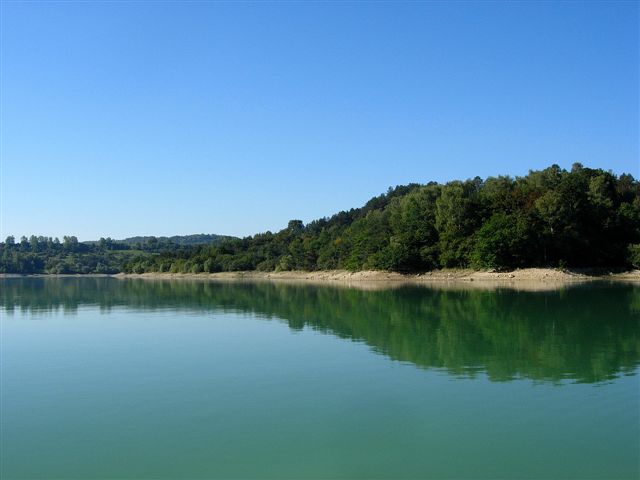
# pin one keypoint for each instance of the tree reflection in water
(586, 333)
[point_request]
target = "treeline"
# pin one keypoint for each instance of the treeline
(38, 254)
(155, 243)
(551, 218)
(579, 218)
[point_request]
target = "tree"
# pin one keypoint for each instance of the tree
(454, 224)
(634, 255)
(295, 227)
(70, 243)
(33, 243)
(501, 242)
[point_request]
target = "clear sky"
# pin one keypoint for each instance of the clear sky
(131, 118)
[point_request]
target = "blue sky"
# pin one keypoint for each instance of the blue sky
(130, 118)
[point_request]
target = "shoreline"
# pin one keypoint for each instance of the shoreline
(445, 275)
(527, 278)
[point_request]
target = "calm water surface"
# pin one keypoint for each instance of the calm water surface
(108, 378)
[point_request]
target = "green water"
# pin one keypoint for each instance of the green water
(108, 378)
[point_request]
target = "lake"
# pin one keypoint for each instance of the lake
(122, 378)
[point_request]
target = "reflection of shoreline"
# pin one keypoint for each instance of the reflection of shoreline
(587, 332)
(530, 280)
(372, 285)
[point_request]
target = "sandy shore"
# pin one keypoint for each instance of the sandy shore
(445, 275)
(526, 274)
(527, 279)
(531, 279)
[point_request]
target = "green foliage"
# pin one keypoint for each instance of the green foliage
(155, 244)
(553, 217)
(458, 214)
(501, 242)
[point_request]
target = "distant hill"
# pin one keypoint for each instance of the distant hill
(182, 240)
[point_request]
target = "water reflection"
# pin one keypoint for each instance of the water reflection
(588, 333)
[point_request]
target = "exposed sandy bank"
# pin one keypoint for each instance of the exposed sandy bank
(531, 279)
(527, 274)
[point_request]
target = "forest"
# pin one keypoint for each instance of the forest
(554, 217)
(39, 254)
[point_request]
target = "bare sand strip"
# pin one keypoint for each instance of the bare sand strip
(529, 279)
